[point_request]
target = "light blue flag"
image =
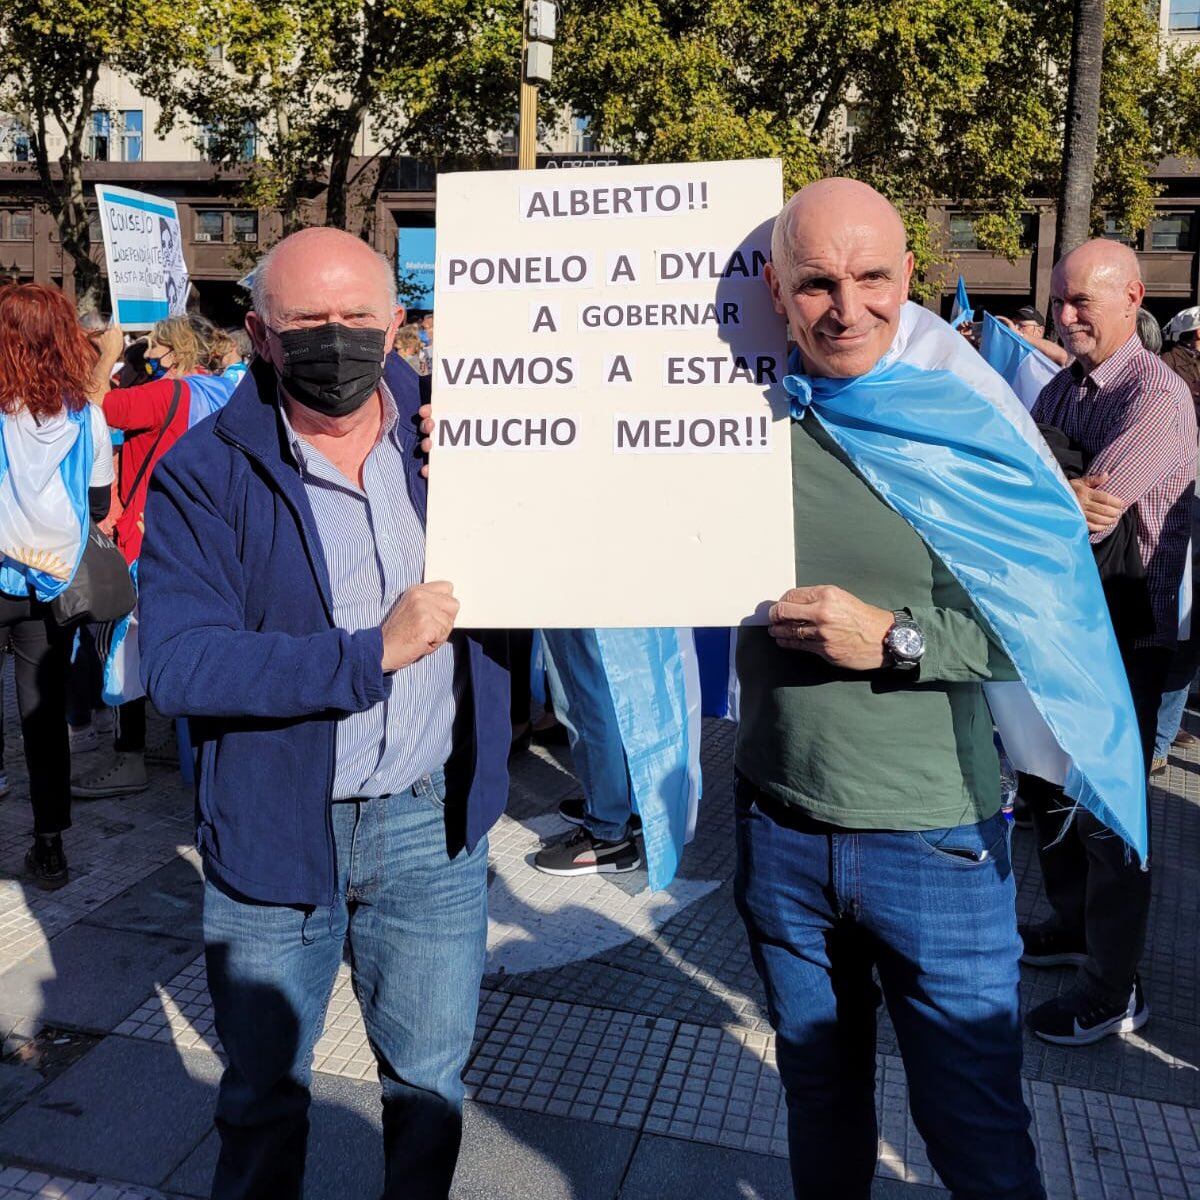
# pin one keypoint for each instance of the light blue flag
(945, 443)
(1025, 369)
(652, 678)
(655, 684)
(962, 310)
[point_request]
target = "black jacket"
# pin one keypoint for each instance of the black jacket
(1118, 558)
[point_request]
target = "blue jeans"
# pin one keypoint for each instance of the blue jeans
(933, 913)
(583, 703)
(414, 922)
(1181, 674)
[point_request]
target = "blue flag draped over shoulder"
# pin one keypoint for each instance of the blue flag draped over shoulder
(945, 443)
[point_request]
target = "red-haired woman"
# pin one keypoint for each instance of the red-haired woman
(55, 474)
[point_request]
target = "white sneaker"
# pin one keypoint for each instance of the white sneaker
(124, 777)
(84, 740)
(102, 722)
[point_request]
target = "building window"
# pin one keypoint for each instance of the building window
(212, 143)
(16, 224)
(582, 141)
(95, 233)
(1172, 231)
(851, 128)
(210, 225)
(131, 135)
(962, 232)
(245, 226)
(120, 144)
(99, 137)
(1185, 14)
(16, 139)
(1115, 234)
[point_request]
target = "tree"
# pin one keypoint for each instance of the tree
(1081, 139)
(51, 54)
(928, 100)
(428, 77)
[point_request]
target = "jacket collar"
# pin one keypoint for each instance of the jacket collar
(253, 422)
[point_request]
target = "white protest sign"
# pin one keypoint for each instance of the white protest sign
(143, 252)
(612, 444)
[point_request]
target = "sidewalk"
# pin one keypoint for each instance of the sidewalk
(622, 1051)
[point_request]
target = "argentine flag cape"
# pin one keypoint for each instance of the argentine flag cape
(44, 522)
(943, 441)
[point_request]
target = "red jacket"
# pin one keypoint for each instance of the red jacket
(140, 412)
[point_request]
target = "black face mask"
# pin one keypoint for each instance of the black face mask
(332, 369)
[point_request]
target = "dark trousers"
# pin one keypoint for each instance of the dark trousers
(40, 659)
(129, 727)
(1099, 893)
(84, 682)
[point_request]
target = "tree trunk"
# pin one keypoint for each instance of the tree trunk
(337, 198)
(1082, 126)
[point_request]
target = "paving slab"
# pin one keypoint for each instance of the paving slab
(91, 977)
(167, 901)
(513, 1155)
(670, 1169)
(345, 1146)
(128, 1110)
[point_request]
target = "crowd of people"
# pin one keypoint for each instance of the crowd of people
(352, 744)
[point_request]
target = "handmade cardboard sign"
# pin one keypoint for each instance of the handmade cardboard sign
(611, 445)
(143, 254)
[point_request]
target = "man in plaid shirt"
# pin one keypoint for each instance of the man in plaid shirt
(1134, 420)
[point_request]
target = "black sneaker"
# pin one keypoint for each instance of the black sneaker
(1045, 946)
(582, 854)
(46, 863)
(1075, 1019)
(572, 811)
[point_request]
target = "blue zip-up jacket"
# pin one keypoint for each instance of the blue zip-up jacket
(236, 632)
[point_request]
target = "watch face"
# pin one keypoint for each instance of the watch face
(906, 642)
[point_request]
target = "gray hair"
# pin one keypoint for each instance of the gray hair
(1149, 332)
(258, 280)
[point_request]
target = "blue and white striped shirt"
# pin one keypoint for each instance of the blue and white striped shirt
(374, 548)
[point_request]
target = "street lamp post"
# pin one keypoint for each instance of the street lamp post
(537, 35)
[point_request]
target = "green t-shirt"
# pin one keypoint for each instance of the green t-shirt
(881, 749)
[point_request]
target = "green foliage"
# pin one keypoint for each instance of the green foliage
(51, 52)
(430, 77)
(952, 100)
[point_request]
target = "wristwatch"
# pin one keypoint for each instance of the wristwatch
(904, 643)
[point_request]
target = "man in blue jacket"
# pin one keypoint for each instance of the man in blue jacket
(351, 751)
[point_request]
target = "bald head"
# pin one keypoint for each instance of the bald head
(1095, 293)
(839, 272)
(833, 209)
(299, 269)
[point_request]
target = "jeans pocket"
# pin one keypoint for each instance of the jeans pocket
(434, 789)
(968, 846)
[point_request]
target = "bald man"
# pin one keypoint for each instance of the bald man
(1134, 421)
(351, 748)
(869, 829)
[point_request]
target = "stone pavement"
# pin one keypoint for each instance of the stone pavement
(622, 1050)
